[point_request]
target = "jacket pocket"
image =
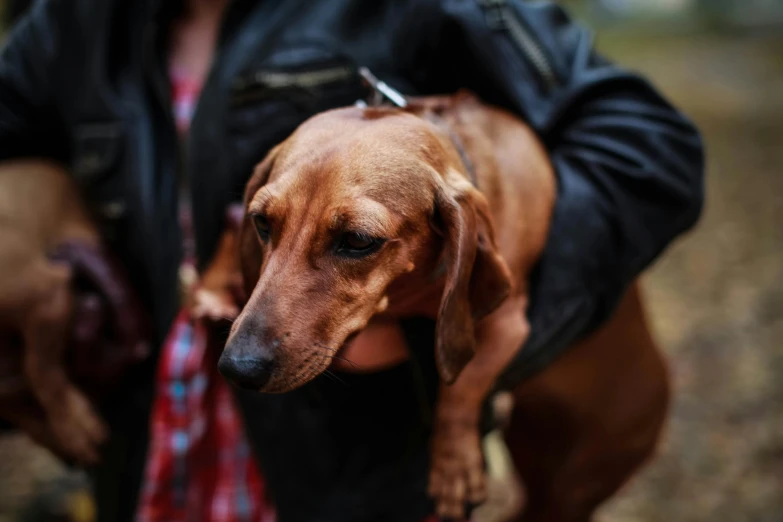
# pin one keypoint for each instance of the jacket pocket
(292, 84)
(269, 99)
(303, 87)
(97, 166)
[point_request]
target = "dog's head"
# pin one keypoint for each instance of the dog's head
(352, 215)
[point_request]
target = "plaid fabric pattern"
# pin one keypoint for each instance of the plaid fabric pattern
(185, 91)
(199, 466)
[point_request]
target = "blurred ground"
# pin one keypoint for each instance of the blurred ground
(716, 298)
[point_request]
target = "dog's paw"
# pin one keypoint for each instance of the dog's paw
(214, 306)
(457, 473)
(78, 430)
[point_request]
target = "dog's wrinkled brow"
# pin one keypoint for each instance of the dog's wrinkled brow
(261, 202)
(366, 216)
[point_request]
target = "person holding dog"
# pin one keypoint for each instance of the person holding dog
(160, 110)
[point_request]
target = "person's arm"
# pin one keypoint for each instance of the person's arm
(25, 91)
(30, 124)
(629, 165)
(31, 127)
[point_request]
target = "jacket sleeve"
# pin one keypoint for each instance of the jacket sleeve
(629, 165)
(30, 124)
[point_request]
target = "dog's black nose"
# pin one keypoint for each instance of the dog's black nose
(251, 373)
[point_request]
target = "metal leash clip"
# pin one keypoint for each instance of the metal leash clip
(380, 91)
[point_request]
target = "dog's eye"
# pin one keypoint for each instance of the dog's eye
(262, 226)
(358, 245)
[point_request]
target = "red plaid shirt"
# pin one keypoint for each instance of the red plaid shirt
(199, 465)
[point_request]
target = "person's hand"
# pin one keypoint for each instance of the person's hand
(218, 296)
(110, 330)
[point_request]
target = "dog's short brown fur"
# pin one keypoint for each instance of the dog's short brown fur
(371, 213)
(40, 209)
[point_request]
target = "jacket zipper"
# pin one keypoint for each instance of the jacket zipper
(253, 86)
(154, 71)
(305, 80)
(500, 15)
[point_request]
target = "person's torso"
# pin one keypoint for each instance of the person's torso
(277, 64)
(359, 450)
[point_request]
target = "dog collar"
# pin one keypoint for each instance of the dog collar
(381, 91)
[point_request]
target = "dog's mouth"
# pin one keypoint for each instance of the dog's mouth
(376, 353)
(339, 358)
(348, 341)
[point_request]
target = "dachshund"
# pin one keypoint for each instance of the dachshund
(441, 209)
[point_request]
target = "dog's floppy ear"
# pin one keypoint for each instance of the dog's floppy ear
(250, 254)
(477, 278)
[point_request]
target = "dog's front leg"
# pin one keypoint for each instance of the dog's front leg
(215, 298)
(457, 470)
(74, 423)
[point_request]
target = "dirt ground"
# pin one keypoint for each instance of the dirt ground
(715, 297)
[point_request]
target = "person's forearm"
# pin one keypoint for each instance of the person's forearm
(630, 181)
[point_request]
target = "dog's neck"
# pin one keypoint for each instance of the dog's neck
(413, 298)
(418, 293)
(455, 140)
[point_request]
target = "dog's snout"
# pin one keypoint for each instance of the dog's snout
(249, 358)
(249, 372)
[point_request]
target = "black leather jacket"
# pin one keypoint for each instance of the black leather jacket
(84, 81)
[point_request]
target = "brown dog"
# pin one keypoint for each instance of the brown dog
(439, 210)
(41, 214)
